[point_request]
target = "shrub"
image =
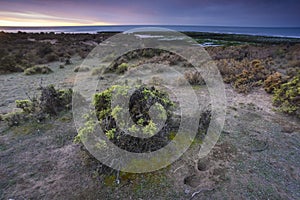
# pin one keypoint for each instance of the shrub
(97, 71)
(26, 105)
(53, 101)
(273, 82)
(194, 78)
(8, 64)
(122, 68)
(141, 100)
(243, 75)
(287, 97)
(149, 53)
(37, 70)
(50, 103)
(292, 71)
(44, 50)
(156, 80)
(81, 69)
(14, 118)
(52, 57)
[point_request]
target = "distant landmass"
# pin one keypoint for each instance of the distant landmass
(292, 32)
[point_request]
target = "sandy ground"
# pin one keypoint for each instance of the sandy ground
(256, 157)
(16, 86)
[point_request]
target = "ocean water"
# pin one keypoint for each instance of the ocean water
(277, 32)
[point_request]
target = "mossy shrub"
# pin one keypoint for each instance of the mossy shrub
(14, 118)
(28, 106)
(81, 69)
(122, 68)
(142, 101)
(37, 70)
(287, 97)
(51, 102)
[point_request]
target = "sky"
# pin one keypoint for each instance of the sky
(249, 13)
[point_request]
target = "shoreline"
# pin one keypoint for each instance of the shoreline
(278, 32)
(232, 37)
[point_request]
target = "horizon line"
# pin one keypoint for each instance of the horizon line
(108, 25)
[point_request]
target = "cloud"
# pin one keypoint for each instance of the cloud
(8, 18)
(40, 16)
(196, 12)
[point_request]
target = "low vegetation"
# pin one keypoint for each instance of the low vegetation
(81, 69)
(194, 78)
(287, 97)
(115, 124)
(243, 75)
(37, 70)
(273, 82)
(19, 51)
(50, 103)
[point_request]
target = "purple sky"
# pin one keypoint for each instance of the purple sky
(166, 12)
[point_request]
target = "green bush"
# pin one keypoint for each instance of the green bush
(122, 68)
(142, 100)
(26, 105)
(287, 97)
(50, 103)
(14, 118)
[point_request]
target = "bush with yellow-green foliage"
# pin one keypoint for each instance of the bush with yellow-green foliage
(28, 106)
(122, 68)
(37, 70)
(14, 118)
(114, 121)
(243, 75)
(287, 97)
(50, 103)
(117, 68)
(273, 82)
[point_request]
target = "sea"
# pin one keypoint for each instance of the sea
(290, 32)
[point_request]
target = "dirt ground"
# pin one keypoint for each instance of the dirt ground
(256, 157)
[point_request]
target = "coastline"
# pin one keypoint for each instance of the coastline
(282, 32)
(247, 38)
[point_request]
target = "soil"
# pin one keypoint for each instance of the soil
(256, 157)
